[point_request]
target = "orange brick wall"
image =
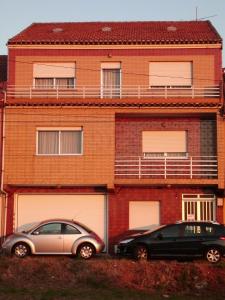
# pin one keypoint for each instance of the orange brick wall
(221, 151)
(135, 64)
(88, 68)
(95, 166)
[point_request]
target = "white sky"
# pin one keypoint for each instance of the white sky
(16, 15)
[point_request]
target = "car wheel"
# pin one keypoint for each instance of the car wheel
(141, 252)
(21, 250)
(213, 255)
(86, 251)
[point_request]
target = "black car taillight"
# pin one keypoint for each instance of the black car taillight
(222, 238)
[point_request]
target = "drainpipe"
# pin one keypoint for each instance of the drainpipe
(3, 192)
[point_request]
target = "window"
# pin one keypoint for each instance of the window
(48, 83)
(59, 142)
(198, 207)
(52, 75)
(52, 228)
(192, 230)
(210, 230)
(170, 74)
(68, 229)
(111, 77)
(170, 231)
(159, 144)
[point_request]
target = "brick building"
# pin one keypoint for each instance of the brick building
(116, 124)
(3, 79)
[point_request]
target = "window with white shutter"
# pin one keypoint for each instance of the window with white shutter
(171, 144)
(170, 74)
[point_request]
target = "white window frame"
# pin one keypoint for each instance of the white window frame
(110, 65)
(54, 83)
(80, 129)
(37, 74)
(197, 199)
(165, 155)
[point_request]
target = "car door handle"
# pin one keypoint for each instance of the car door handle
(59, 237)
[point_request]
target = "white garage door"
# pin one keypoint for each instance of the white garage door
(87, 209)
(143, 214)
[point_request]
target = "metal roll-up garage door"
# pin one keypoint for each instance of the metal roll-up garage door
(87, 209)
(143, 214)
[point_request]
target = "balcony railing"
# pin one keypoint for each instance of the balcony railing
(165, 168)
(112, 92)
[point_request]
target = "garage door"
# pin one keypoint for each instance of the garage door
(87, 209)
(143, 214)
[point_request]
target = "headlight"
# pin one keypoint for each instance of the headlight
(126, 241)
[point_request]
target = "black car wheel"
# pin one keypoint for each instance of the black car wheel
(141, 252)
(21, 250)
(86, 251)
(213, 255)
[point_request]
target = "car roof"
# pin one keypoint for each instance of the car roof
(198, 222)
(57, 220)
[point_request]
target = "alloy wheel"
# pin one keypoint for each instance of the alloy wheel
(213, 255)
(141, 253)
(21, 250)
(86, 251)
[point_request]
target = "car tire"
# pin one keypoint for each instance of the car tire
(141, 253)
(86, 251)
(213, 255)
(21, 250)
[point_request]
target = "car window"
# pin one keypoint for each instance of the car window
(170, 231)
(210, 230)
(193, 230)
(51, 228)
(68, 229)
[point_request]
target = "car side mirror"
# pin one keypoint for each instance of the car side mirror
(36, 233)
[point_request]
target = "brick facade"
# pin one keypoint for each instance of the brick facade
(111, 128)
(134, 64)
(24, 166)
(170, 199)
(129, 133)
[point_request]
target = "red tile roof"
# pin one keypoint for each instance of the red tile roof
(152, 32)
(175, 102)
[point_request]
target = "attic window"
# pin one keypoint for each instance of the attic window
(171, 28)
(105, 29)
(56, 30)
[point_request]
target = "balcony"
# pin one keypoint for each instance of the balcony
(139, 92)
(137, 167)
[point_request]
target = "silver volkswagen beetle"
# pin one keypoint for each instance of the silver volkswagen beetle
(56, 236)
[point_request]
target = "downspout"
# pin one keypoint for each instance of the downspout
(3, 192)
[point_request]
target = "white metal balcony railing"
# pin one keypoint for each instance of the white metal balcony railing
(190, 167)
(121, 92)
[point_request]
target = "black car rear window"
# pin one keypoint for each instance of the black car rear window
(213, 229)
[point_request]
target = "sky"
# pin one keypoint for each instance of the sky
(16, 15)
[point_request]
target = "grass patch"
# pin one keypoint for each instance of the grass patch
(53, 278)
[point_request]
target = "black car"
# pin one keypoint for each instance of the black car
(182, 239)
